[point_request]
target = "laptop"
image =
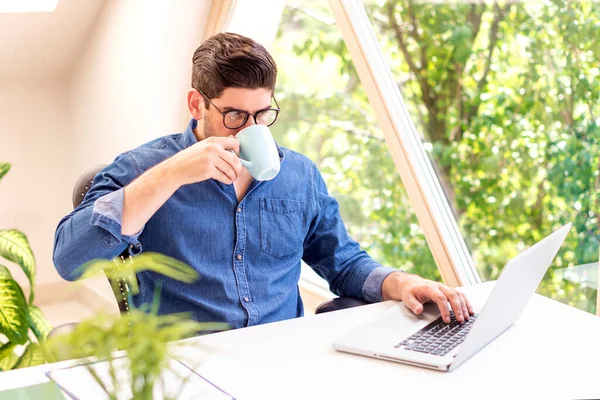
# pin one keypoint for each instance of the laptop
(426, 341)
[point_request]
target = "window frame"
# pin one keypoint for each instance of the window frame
(219, 16)
(423, 187)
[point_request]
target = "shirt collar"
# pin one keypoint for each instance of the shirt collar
(188, 136)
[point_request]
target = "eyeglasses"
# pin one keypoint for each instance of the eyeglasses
(234, 119)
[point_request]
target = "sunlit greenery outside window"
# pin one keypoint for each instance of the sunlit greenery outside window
(326, 116)
(506, 97)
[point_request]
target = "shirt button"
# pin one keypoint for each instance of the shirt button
(239, 209)
(246, 299)
(239, 256)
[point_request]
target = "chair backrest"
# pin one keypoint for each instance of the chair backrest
(84, 183)
(120, 286)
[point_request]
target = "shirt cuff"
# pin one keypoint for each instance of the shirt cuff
(108, 214)
(371, 289)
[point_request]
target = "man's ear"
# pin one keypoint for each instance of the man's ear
(196, 104)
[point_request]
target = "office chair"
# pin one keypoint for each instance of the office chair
(121, 287)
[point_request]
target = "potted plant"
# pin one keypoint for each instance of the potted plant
(144, 337)
(22, 324)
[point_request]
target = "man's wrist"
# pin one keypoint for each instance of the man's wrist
(392, 286)
(168, 174)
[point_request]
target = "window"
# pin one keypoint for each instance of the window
(26, 6)
(326, 116)
(506, 98)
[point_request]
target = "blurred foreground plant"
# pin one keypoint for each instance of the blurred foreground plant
(145, 337)
(21, 322)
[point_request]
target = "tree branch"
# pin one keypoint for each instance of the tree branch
(493, 39)
(456, 88)
(414, 32)
(474, 18)
(400, 38)
(426, 93)
(491, 45)
(567, 114)
(539, 204)
(577, 58)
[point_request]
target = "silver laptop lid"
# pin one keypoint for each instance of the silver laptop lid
(517, 283)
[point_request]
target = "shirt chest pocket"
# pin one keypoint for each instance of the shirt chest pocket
(281, 227)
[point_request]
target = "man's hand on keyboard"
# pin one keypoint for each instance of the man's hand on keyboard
(415, 291)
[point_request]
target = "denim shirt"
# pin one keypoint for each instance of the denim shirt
(247, 253)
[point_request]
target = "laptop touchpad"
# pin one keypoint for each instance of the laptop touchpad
(399, 318)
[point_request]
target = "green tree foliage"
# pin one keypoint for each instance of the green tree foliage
(506, 97)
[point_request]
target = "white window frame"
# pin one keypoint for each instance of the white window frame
(219, 16)
(423, 187)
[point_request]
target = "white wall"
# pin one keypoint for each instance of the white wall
(131, 82)
(35, 138)
(243, 17)
(127, 86)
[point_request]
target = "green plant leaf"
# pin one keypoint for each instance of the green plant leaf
(14, 246)
(147, 339)
(156, 262)
(13, 308)
(4, 168)
(8, 358)
(38, 323)
(31, 357)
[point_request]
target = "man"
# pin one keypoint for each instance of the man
(188, 196)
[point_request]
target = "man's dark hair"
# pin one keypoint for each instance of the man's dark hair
(230, 60)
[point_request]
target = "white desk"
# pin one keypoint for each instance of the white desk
(553, 351)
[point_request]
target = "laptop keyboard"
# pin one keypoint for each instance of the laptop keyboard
(438, 338)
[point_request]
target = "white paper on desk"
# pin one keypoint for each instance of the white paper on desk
(78, 383)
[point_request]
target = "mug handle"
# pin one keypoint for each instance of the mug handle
(245, 163)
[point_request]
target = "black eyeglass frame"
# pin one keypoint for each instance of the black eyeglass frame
(245, 113)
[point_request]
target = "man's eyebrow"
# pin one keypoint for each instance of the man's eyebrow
(227, 109)
(230, 109)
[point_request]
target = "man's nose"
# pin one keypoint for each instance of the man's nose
(249, 122)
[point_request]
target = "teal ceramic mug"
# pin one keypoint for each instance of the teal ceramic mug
(258, 152)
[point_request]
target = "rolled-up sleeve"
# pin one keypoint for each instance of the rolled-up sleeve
(93, 229)
(108, 214)
(335, 256)
(372, 286)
